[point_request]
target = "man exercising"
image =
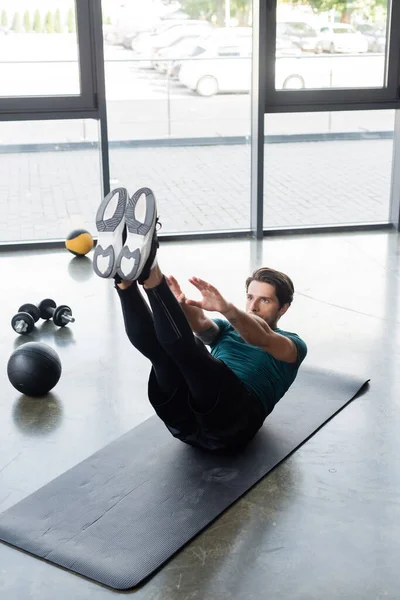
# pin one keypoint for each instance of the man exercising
(213, 399)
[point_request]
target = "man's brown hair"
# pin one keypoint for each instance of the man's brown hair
(282, 283)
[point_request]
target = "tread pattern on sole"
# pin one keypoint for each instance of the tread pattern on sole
(137, 228)
(105, 253)
(133, 225)
(134, 257)
(103, 225)
(110, 225)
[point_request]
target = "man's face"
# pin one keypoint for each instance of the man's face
(262, 301)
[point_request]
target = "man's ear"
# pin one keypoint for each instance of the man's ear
(284, 309)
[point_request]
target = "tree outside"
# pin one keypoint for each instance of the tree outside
(240, 10)
(209, 10)
(48, 23)
(57, 21)
(71, 21)
(53, 21)
(27, 21)
(214, 11)
(16, 24)
(37, 22)
(346, 9)
(4, 18)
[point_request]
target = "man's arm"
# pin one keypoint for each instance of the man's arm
(252, 329)
(201, 325)
(257, 332)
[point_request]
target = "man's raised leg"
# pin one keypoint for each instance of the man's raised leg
(167, 389)
(139, 327)
(126, 228)
(202, 372)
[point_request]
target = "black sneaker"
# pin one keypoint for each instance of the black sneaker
(110, 225)
(139, 243)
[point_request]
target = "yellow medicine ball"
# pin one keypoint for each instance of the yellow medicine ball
(79, 242)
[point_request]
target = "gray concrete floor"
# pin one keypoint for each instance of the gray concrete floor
(325, 523)
(43, 195)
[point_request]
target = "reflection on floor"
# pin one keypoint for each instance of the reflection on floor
(325, 524)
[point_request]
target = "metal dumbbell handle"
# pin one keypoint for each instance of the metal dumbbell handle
(20, 326)
(24, 321)
(67, 318)
(62, 315)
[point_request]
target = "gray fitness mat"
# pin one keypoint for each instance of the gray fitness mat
(121, 513)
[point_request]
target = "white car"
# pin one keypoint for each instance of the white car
(233, 74)
(339, 37)
(225, 68)
(171, 54)
(147, 45)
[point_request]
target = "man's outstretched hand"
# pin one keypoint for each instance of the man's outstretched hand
(175, 288)
(212, 299)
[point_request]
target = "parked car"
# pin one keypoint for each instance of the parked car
(221, 68)
(226, 38)
(128, 27)
(142, 36)
(339, 37)
(129, 37)
(375, 35)
(182, 48)
(285, 47)
(174, 67)
(221, 34)
(300, 34)
(233, 75)
(147, 45)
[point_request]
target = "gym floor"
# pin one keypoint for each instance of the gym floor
(326, 522)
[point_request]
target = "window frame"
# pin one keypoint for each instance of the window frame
(280, 101)
(63, 106)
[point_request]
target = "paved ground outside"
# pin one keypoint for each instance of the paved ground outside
(43, 195)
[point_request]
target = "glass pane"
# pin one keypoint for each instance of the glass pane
(328, 168)
(344, 47)
(39, 50)
(50, 179)
(178, 109)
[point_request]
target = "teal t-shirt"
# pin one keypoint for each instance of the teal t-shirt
(264, 375)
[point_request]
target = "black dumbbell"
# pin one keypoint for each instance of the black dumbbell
(61, 315)
(24, 321)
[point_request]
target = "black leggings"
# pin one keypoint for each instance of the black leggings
(201, 401)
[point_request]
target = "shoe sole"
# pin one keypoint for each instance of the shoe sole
(109, 242)
(136, 249)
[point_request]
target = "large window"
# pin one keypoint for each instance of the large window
(328, 169)
(47, 59)
(337, 54)
(95, 95)
(178, 106)
(39, 50)
(345, 47)
(48, 189)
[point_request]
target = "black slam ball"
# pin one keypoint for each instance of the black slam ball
(34, 369)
